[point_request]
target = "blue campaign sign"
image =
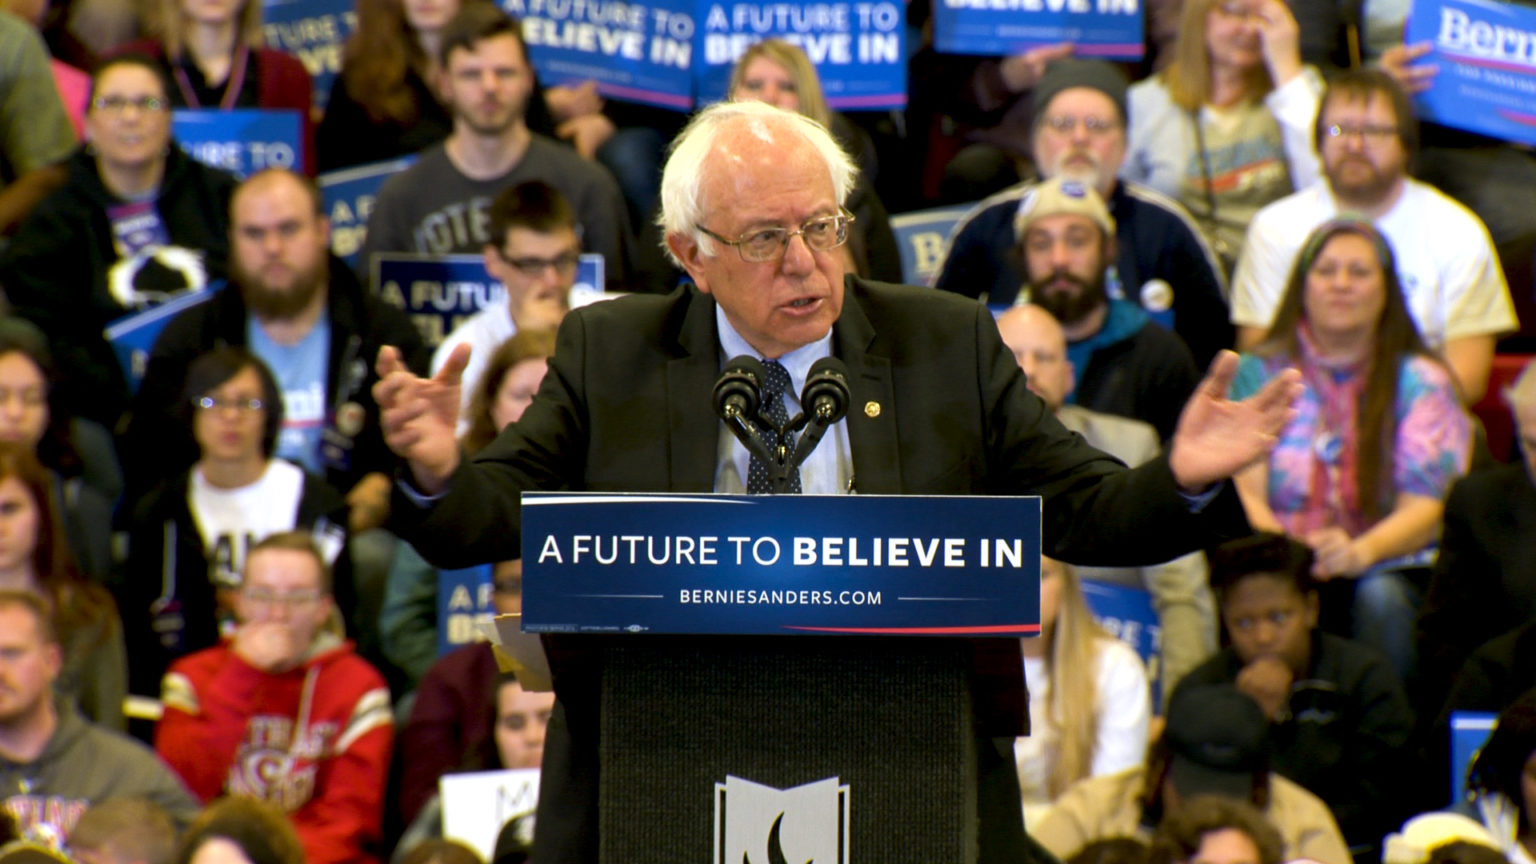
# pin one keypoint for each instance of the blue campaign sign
(781, 564)
(1098, 28)
(1128, 615)
(314, 31)
(241, 141)
(1485, 82)
(438, 292)
(132, 336)
(922, 236)
(1469, 732)
(856, 46)
(349, 196)
(635, 51)
(463, 601)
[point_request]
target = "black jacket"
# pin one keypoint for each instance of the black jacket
(167, 595)
(57, 270)
(1343, 735)
(157, 444)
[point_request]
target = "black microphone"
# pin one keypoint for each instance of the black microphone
(738, 393)
(825, 400)
(826, 390)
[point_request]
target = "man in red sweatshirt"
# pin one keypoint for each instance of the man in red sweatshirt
(284, 710)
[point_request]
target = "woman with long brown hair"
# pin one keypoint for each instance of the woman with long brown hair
(1361, 472)
(34, 557)
(385, 104)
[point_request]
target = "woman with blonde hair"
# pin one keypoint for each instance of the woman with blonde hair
(1227, 127)
(778, 73)
(1081, 725)
(215, 56)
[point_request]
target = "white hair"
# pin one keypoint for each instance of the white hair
(683, 177)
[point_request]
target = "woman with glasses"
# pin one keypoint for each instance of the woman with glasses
(1361, 472)
(188, 537)
(34, 557)
(137, 223)
(778, 73)
(215, 55)
(1227, 127)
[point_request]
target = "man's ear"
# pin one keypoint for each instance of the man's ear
(686, 248)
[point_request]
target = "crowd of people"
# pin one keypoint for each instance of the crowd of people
(229, 544)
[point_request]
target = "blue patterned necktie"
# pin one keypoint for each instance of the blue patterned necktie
(759, 473)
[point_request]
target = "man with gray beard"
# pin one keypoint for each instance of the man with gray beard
(1164, 265)
(308, 318)
(1130, 365)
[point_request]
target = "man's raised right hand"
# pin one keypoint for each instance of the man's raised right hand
(419, 415)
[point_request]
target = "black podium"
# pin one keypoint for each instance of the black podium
(768, 749)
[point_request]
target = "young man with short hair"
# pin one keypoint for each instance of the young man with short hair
(285, 711)
(1338, 716)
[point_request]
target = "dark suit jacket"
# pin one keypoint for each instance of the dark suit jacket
(626, 407)
(1484, 580)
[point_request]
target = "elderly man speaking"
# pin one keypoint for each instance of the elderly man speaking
(752, 208)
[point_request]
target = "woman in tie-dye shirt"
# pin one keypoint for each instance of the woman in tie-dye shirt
(1361, 473)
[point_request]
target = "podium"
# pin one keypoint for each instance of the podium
(789, 707)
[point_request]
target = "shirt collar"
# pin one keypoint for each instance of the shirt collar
(797, 362)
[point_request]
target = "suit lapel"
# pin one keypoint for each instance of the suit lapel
(872, 408)
(693, 430)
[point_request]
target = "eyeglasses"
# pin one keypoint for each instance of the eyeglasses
(765, 244)
(531, 267)
(244, 406)
(1369, 132)
(264, 598)
(119, 104)
(1095, 126)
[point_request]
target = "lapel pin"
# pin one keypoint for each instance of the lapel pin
(871, 409)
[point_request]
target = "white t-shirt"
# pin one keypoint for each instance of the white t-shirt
(484, 331)
(1125, 709)
(1445, 260)
(231, 520)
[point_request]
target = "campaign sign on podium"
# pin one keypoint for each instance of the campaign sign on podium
(781, 564)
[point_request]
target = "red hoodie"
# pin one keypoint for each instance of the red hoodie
(314, 740)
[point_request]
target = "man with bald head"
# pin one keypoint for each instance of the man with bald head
(309, 319)
(752, 201)
(1186, 611)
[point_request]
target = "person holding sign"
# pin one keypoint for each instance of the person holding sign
(439, 205)
(214, 53)
(776, 72)
(535, 260)
(1227, 127)
(138, 223)
(751, 199)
